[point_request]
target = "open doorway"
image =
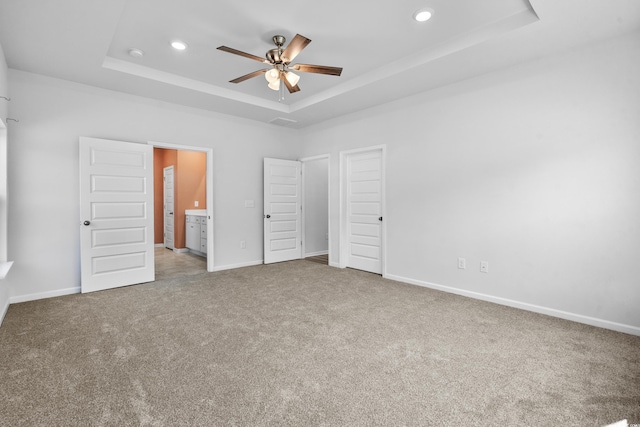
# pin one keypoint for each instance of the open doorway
(315, 201)
(182, 208)
(296, 209)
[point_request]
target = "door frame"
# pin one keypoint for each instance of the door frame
(208, 190)
(344, 238)
(304, 207)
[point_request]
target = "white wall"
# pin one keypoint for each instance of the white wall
(533, 169)
(43, 176)
(316, 203)
(4, 112)
(4, 90)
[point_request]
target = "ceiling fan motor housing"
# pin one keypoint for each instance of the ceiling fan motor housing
(273, 56)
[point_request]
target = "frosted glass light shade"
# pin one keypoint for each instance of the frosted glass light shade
(272, 75)
(292, 78)
(275, 85)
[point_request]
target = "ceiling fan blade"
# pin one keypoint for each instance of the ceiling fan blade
(318, 69)
(295, 47)
(248, 76)
(291, 88)
(245, 54)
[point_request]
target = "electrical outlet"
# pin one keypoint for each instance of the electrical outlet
(243, 244)
(484, 266)
(462, 263)
(195, 203)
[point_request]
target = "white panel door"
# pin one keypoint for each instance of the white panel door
(282, 210)
(168, 195)
(364, 211)
(116, 214)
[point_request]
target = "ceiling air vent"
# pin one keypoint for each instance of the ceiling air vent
(281, 121)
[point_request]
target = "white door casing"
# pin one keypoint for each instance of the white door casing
(116, 214)
(168, 206)
(282, 210)
(364, 210)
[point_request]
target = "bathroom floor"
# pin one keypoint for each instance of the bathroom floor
(171, 264)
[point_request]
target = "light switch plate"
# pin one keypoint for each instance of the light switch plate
(484, 266)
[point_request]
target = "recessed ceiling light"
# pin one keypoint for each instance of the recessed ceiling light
(178, 45)
(136, 53)
(423, 15)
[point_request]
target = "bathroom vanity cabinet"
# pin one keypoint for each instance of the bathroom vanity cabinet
(196, 231)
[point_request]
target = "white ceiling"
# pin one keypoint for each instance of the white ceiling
(385, 54)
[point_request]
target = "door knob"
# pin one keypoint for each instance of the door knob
(380, 219)
(87, 222)
(267, 216)
(170, 213)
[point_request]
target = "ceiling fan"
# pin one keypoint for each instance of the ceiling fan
(281, 66)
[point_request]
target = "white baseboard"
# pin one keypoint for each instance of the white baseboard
(600, 323)
(316, 253)
(43, 295)
(159, 245)
(232, 266)
(334, 264)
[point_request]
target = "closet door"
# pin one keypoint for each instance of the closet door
(282, 210)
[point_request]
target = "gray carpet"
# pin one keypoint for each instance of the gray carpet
(305, 344)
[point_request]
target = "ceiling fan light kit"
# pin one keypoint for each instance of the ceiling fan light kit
(281, 62)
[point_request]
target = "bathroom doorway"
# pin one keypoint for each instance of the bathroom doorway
(192, 201)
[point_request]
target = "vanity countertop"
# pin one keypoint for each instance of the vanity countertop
(196, 212)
